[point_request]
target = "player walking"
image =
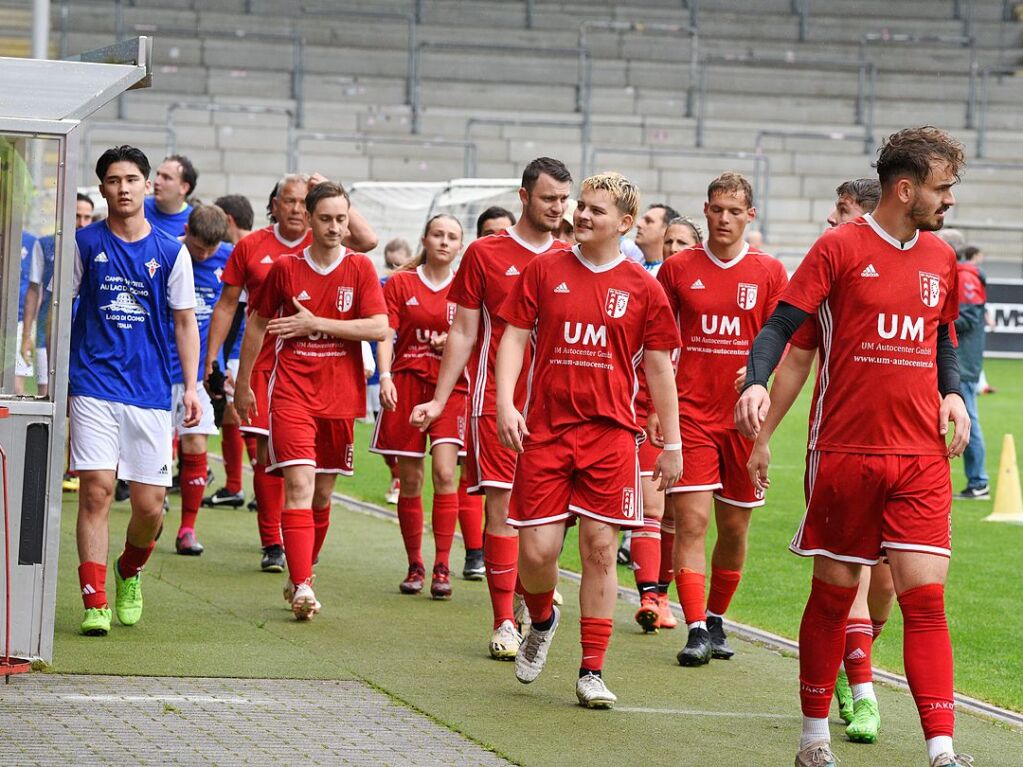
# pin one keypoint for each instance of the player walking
(489, 269)
(420, 316)
(885, 292)
(596, 317)
(318, 307)
(721, 293)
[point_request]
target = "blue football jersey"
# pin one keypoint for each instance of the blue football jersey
(29, 243)
(47, 244)
(120, 348)
(173, 224)
(207, 277)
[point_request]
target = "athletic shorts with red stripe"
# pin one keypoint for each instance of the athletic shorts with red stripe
(715, 459)
(298, 437)
(861, 505)
(489, 463)
(259, 422)
(591, 470)
(394, 435)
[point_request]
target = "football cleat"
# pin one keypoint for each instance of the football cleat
(474, 569)
(718, 639)
(522, 619)
(505, 642)
(981, 493)
(558, 599)
(413, 582)
(816, 754)
(96, 622)
(70, 484)
(128, 602)
(187, 545)
(665, 617)
(303, 603)
(591, 692)
(952, 760)
(122, 491)
(391, 496)
(649, 613)
(440, 584)
(273, 560)
(289, 588)
(224, 497)
(253, 505)
(866, 722)
(698, 649)
(844, 696)
(532, 654)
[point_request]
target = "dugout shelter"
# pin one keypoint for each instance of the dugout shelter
(42, 109)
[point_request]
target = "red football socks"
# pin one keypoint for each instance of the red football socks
(133, 559)
(723, 584)
(299, 537)
(821, 642)
(540, 606)
(691, 586)
(667, 570)
(501, 559)
(270, 499)
(445, 516)
(927, 655)
(877, 627)
(193, 484)
(321, 523)
(251, 448)
(470, 515)
(410, 520)
(646, 554)
(859, 638)
(231, 445)
(92, 577)
(594, 636)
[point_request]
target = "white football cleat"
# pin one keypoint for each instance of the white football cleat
(593, 693)
(532, 654)
(505, 641)
(303, 603)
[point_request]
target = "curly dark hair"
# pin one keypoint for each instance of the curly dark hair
(911, 152)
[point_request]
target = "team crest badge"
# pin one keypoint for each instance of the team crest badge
(344, 299)
(930, 289)
(451, 313)
(628, 502)
(152, 265)
(616, 304)
(746, 296)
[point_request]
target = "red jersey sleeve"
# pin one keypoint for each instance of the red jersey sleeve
(394, 303)
(805, 336)
(521, 306)
(371, 295)
(950, 310)
(779, 281)
(660, 331)
(274, 292)
(468, 286)
(234, 270)
(665, 277)
(812, 281)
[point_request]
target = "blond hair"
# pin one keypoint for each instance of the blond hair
(624, 193)
(732, 183)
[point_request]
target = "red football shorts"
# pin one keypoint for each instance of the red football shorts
(592, 470)
(859, 505)
(259, 422)
(489, 463)
(715, 459)
(298, 437)
(394, 435)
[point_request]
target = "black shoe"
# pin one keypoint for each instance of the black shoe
(718, 639)
(981, 493)
(121, 491)
(697, 651)
(224, 497)
(474, 569)
(273, 559)
(209, 476)
(188, 546)
(253, 506)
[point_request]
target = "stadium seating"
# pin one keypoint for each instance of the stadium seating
(354, 83)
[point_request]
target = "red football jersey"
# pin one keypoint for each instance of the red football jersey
(878, 304)
(248, 266)
(592, 324)
(418, 311)
(490, 268)
(720, 307)
(972, 288)
(321, 374)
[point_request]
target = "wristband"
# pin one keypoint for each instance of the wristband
(384, 375)
(673, 446)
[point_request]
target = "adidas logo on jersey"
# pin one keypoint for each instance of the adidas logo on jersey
(303, 296)
(698, 285)
(512, 271)
(562, 288)
(102, 258)
(267, 259)
(870, 271)
(412, 302)
(856, 654)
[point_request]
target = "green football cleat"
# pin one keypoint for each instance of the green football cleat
(843, 694)
(866, 722)
(96, 622)
(128, 602)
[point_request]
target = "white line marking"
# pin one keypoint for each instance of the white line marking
(695, 712)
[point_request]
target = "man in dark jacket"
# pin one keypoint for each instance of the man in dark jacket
(970, 327)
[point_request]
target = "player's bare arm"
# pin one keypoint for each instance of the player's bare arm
(304, 323)
(252, 342)
(186, 335)
(385, 358)
(653, 430)
(511, 426)
(31, 311)
(220, 325)
(660, 381)
(457, 350)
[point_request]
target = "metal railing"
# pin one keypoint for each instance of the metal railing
(469, 149)
(91, 126)
(583, 86)
(801, 8)
(635, 27)
(199, 106)
(965, 41)
(983, 105)
(865, 88)
(472, 122)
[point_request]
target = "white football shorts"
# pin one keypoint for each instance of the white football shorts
(133, 441)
